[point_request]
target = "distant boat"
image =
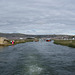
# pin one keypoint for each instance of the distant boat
(36, 40)
(48, 40)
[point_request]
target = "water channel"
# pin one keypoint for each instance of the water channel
(37, 58)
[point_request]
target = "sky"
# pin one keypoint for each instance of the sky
(37, 16)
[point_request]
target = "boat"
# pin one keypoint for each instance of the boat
(48, 40)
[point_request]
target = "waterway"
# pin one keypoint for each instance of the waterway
(37, 58)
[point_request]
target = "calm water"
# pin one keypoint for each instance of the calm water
(37, 58)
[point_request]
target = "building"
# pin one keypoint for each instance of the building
(3, 40)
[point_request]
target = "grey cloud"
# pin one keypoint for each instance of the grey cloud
(37, 16)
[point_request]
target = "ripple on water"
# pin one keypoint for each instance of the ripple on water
(34, 70)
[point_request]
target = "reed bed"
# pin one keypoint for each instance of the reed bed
(69, 43)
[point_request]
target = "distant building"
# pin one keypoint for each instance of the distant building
(3, 40)
(20, 38)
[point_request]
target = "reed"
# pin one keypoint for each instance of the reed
(17, 42)
(69, 43)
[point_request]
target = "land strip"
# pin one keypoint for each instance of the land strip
(17, 42)
(69, 43)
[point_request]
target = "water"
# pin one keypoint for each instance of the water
(37, 58)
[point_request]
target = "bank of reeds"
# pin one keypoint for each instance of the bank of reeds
(23, 41)
(17, 42)
(69, 43)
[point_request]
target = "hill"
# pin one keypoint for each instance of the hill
(19, 35)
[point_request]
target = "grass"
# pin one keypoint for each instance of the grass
(23, 41)
(69, 43)
(17, 42)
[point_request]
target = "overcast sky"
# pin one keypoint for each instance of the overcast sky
(37, 16)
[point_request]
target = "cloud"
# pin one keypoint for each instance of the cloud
(37, 17)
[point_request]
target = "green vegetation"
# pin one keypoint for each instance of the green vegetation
(23, 41)
(69, 43)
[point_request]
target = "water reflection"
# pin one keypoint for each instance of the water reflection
(1, 46)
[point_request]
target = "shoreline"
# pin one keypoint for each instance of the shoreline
(17, 42)
(69, 43)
